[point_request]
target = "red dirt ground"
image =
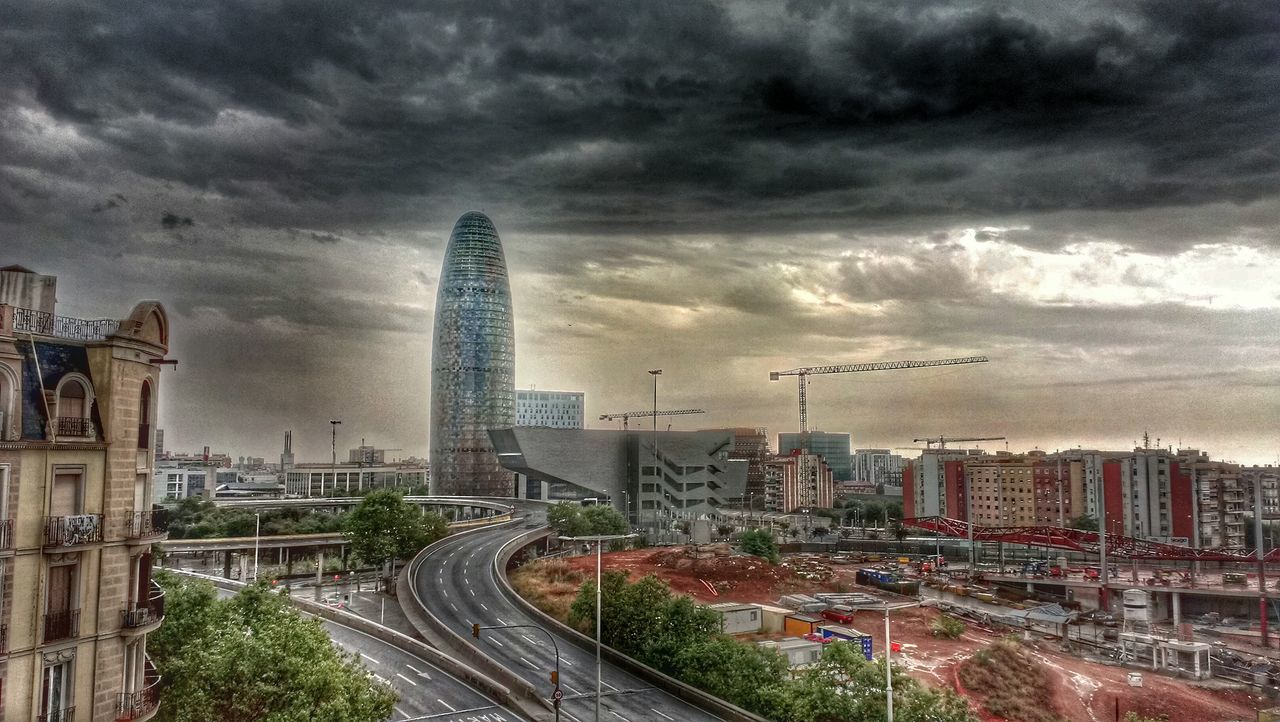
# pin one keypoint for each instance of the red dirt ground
(1085, 691)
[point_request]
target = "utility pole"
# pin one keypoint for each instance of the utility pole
(655, 373)
(1262, 564)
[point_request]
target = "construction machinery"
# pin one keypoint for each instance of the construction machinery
(803, 373)
(628, 415)
(941, 441)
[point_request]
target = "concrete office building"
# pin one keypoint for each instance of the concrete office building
(550, 409)
(344, 479)
(175, 484)
(833, 447)
(78, 400)
(877, 467)
(798, 481)
(473, 363)
(694, 475)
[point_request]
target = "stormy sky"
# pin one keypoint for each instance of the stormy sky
(1087, 192)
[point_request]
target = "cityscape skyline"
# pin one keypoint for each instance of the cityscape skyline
(1087, 194)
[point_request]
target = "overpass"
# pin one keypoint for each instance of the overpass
(460, 506)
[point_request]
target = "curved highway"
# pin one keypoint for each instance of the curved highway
(456, 583)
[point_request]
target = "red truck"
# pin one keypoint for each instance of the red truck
(843, 615)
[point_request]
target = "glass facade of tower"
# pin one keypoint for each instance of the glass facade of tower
(472, 363)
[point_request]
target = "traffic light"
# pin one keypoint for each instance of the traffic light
(555, 678)
(475, 630)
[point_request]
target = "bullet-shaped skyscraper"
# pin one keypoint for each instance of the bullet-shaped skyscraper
(473, 363)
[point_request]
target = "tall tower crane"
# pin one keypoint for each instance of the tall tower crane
(804, 372)
(625, 416)
(941, 441)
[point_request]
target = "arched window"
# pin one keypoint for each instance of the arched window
(144, 417)
(8, 404)
(74, 403)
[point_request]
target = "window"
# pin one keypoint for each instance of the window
(55, 691)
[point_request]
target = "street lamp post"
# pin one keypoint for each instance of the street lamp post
(555, 676)
(333, 447)
(257, 534)
(599, 539)
(888, 661)
(655, 373)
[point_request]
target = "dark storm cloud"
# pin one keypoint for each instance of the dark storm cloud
(736, 184)
(674, 112)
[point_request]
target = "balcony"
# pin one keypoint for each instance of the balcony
(69, 531)
(61, 625)
(66, 714)
(148, 524)
(140, 705)
(75, 427)
(4, 640)
(146, 614)
(6, 534)
(27, 320)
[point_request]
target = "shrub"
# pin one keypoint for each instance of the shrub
(947, 627)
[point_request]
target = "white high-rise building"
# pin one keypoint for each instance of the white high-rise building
(549, 409)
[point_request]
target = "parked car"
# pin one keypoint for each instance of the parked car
(843, 615)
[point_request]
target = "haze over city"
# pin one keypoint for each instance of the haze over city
(1087, 195)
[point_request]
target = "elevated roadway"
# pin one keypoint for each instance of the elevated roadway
(455, 581)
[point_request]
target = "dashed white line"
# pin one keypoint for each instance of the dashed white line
(473, 592)
(615, 714)
(501, 621)
(569, 714)
(491, 639)
(446, 705)
(530, 640)
(455, 607)
(371, 659)
(531, 664)
(667, 716)
(615, 689)
(482, 606)
(401, 676)
(567, 663)
(571, 689)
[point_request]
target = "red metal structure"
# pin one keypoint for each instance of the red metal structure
(1078, 540)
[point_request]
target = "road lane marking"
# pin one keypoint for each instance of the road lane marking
(571, 689)
(455, 607)
(652, 709)
(371, 659)
(530, 640)
(502, 621)
(491, 639)
(446, 705)
(418, 672)
(615, 689)
(445, 591)
(482, 606)
(401, 676)
(531, 664)
(567, 663)
(615, 714)
(569, 714)
(473, 592)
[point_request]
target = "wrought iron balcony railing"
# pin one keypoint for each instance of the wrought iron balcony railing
(6, 533)
(147, 612)
(143, 524)
(139, 704)
(60, 625)
(69, 531)
(66, 714)
(4, 639)
(27, 320)
(75, 426)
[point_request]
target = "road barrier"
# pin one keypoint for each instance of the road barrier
(704, 701)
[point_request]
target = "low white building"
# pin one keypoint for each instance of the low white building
(738, 618)
(316, 480)
(799, 652)
(550, 409)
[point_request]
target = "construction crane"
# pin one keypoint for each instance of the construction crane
(647, 414)
(805, 372)
(941, 441)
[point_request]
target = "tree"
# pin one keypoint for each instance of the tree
(746, 675)
(843, 667)
(759, 543)
(899, 530)
(1085, 522)
(820, 531)
(385, 527)
(872, 511)
(894, 508)
(794, 532)
(946, 627)
(569, 519)
(724, 530)
(253, 657)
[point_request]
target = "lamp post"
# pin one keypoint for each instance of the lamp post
(599, 539)
(655, 373)
(257, 534)
(333, 447)
(888, 662)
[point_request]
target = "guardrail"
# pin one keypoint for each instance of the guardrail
(687, 693)
(494, 689)
(522, 694)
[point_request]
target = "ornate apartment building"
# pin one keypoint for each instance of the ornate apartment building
(77, 410)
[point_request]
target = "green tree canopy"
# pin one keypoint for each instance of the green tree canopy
(570, 519)
(385, 528)
(253, 657)
(760, 543)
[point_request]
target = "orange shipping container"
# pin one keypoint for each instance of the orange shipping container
(798, 625)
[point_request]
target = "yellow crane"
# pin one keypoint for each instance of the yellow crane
(627, 415)
(803, 373)
(941, 441)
